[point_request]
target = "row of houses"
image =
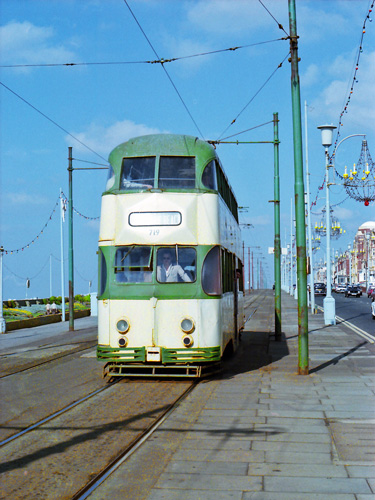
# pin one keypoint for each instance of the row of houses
(357, 263)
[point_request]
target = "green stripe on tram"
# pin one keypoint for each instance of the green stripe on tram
(179, 355)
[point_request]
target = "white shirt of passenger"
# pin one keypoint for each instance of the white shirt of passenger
(170, 275)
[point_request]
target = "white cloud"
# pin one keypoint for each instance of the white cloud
(103, 139)
(360, 115)
(232, 18)
(25, 43)
(311, 75)
(25, 199)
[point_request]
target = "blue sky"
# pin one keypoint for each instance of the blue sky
(104, 105)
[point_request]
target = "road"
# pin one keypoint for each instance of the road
(356, 310)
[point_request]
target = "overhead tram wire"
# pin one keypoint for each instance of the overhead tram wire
(52, 121)
(239, 133)
(274, 18)
(166, 72)
(158, 61)
(254, 96)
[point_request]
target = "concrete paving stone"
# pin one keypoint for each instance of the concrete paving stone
(210, 482)
(366, 471)
(219, 455)
(240, 434)
(297, 457)
(217, 444)
(168, 494)
(266, 495)
(295, 470)
(316, 485)
(239, 419)
(228, 413)
(218, 468)
(350, 414)
(371, 483)
(294, 426)
(291, 414)
(301, 437)
(274, 404)
(286, 421)
(291, 447)
(365, 497)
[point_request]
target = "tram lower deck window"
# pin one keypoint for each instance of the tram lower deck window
(176, 265)
(133, 264)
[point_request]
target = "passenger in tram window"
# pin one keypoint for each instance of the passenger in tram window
(168, 272)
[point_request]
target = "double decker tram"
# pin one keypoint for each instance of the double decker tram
(170, 299)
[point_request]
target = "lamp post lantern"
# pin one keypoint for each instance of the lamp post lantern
(329, 301)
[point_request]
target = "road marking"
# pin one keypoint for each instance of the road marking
(358, 331)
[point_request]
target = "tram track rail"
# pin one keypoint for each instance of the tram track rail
(132, 447)
(55, 414)
(89, 344)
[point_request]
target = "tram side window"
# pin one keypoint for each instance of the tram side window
(102, 273)
(209, 176)
(110, 178)
(177, 172)
(176, 265)
(211, 282)
(133, 264)
(138, 173)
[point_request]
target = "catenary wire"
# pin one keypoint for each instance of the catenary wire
(52, 121)
(165, 71)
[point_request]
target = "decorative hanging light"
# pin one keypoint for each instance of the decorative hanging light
(361, 187)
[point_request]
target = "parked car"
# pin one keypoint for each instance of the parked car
(320, 289)
(370, 289)
(373, 306)
(340, 288)
(353, 291)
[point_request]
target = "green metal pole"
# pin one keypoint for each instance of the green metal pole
(277, 245)
(299, 192)
(71, 261)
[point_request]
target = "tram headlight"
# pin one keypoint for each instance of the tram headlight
(187, 325)
(122, 326)
(187, 340)
(122, 342)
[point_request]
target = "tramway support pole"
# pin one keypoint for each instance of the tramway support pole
(2, 320)
(71, 258)
(277, 244)
(299, 192)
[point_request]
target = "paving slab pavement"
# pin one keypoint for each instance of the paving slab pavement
(260, 431)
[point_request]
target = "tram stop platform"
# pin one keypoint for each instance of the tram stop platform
(260, 431)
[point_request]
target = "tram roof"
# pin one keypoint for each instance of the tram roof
(162, 144)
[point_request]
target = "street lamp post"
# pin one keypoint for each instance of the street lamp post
(329, 301)
(368, 261)
(350, 264)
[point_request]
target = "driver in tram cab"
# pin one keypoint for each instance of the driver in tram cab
(168, 273)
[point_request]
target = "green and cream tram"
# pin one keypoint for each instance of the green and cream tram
(170, 299)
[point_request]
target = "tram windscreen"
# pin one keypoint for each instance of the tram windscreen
(176, 265)
(133, 264)
(177, 172)
(138, 173)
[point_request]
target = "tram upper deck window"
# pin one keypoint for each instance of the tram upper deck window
(176, 265)
(133, 264)
(138, 173)
(110, 178)
(177, 172)
(209, 176)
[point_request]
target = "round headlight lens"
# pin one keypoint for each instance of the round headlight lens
(122, 326)
(122, 342)
(187, 325)
(187, 340)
